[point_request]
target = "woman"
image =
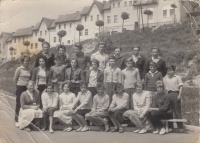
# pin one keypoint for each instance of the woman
(30, 103)
(50, 105)
(119, 104)
(161, 109)
(141, 102)
(21, 78)
(74, 75)
(85, 99)
(93, 77)
(66, 100)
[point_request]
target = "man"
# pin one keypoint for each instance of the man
(101, 56)
(49, 58)
(120, 60)
(139, 61)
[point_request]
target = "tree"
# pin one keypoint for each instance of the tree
(41, 40)
(124, 16)
(174, 7)
(26, 43)
(79, 28)
(11, 51)
(99, 23)
(61, 34)
(148, 13)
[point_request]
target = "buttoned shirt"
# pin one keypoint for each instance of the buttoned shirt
(102, 58)
(85, 100)
(135, 58)
(112, 75)
(172, 83)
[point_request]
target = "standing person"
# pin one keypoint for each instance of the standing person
(139, 61)
(161, 109)
(30, 103)
(74, 75)
(21, 78)
(93, 77)
(101, 56)
(85, 99)
(119, 104)
(150, 80)
(120, 60)
(50, 105)
(161, 66)
(99, 109)
(63, 56)
(129, 76)
(57, 74)
(141, 104)
(112, 76)
(174, 87)
(49, 58)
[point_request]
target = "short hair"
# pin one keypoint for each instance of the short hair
(58, 57)
(152, 64)
(118, 48)
(79, 46)
(75, 59)
(129, 59)
(61, 47)
(101, 43)
(137, 83)
(119, 85)
(66, 83)
(83, 84)
(155, 48)
(23, 58)
(160, 83)
(173, 67)
(100, 86)
(112, 57)
(136, 47)
(46, 43)
(95, 61)
(30, 82)
(42, 57)
(49, 84)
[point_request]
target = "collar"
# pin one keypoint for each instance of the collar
(156, 59)
(137, 56)
(22, 67)
(112, 68)
(98, 53)
(83, 93)
(118, 57)
(129, 69)
(172, 76)
(153, 73)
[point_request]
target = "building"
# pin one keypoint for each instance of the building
(3, 46)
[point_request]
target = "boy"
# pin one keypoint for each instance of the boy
(61, 53)
(57, 74)
(129, 76)
(112, 76)
(150, 79)
(174, 86)
(120, 60)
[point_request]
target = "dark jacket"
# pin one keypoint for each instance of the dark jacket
(100, 76)
(141, 65)
(48, 61)
(120, 62)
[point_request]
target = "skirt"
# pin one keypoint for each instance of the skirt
(64, 115)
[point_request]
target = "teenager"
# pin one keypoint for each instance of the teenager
(120, 60)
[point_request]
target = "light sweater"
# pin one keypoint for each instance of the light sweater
(101, 103)
(85, 100)
(22, 76)
(50, 100)
(66, 100)
(120, 102)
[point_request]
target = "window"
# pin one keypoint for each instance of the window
(115, 18)
(45, 32)
(130, 3)
(18, 39)
(164, 13)
(36, 45)
(125, 3)
(91, 18)
(68, 41)
(97, 17)
(64, 26)
(54, 39)
(86, 31)
(35, 33)
(70, 25)
(113, 5)
(118, 4)
(40, 33)
(151, 16)
(85, 18)
(171, 12)
(31, 45)
(108, 19)
(14, 40)
(59, 26)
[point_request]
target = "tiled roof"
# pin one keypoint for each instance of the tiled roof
(36, 27)
(6, 36)
(99, 5)
(68, 17)
(144, 2)
(85, 10)
(107, 6)
(24, 32)
(47, 21)
(53, 24)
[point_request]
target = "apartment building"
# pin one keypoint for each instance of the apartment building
(3, 46)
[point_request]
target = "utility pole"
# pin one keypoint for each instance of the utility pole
(142, 16)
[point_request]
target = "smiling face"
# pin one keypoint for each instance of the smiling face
(100, 90)
(112, 62)
(41, 62)
(94, 66)
(66, 88)
(139, 88)
(77, 50)
(83, 88)
(45, 48)
(57, 62)
(170, 72)
(136, 51)
(152, 68)
(155, 53)
(30, 87)
(117, 52)
(26, 62)
(160, 89)
(129, 64)
(49, 89)
(73, 63)
(101, 48)
(120, 90)
(61, 51)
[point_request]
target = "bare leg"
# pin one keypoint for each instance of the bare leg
(77, 120)
(50, 124)
(45, 121)
(81, 119)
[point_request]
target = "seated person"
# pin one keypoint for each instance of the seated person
(119, 104)
(50, 105)
(100, 108)
(141, 104)
(30, 103)
(161, 109)
(84, 99)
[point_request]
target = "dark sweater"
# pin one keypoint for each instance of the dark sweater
(48, 61)
(141, 65)
(150, 82)
(120, 62)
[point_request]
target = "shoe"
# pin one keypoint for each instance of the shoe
(68, 129)
(180, 130)
(156, 131)
(102, 128)
(162, 131)
(16, 124)
(84, 129)
(44, 128)
(51, 131)
(79, 129)
(142, 131)
(136, 131)
(121, 130)
(107, 127)
(28, 129)
(169, 130)
(115, 129)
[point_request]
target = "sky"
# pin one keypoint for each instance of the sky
(16, 14)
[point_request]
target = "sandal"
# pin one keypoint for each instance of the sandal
(27, 129)
(79, 129)
(44, 128)
(115, 129)
(84, 129)
(121, 130)
(51, 131)
(69, 129)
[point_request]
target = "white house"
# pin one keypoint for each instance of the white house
(3, 46)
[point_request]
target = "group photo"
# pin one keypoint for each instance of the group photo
(115, 71)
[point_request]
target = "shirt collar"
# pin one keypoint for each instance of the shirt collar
(136, 57)
(22, 67)
(157, 58)
(153, 73)
(129, 69)
(118, 57)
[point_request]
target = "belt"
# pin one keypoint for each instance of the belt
(173, 92)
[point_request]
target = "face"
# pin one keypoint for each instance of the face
(94, 65)
(139, 88)
(26, 62)
(160, 89)
(119, 90)
(83, 88)
(73, 63)
(41, 62)
(152, 69)
(101, 48)
(100, 91)
(61, 51)
(45, 48)
(49, 89)
(170, 72)
(30, 87)
(117, 52)
(136, 51)
(57, 62)
(66, 88)
(77, 50)
(155, 52)
(112, 62)
(129, 64)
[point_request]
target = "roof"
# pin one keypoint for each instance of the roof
(53, 24)
(144, 2)
(87, 9)
(24, 32)
(47, 21)
(6, 36)
(107, 6)
(69, 17)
